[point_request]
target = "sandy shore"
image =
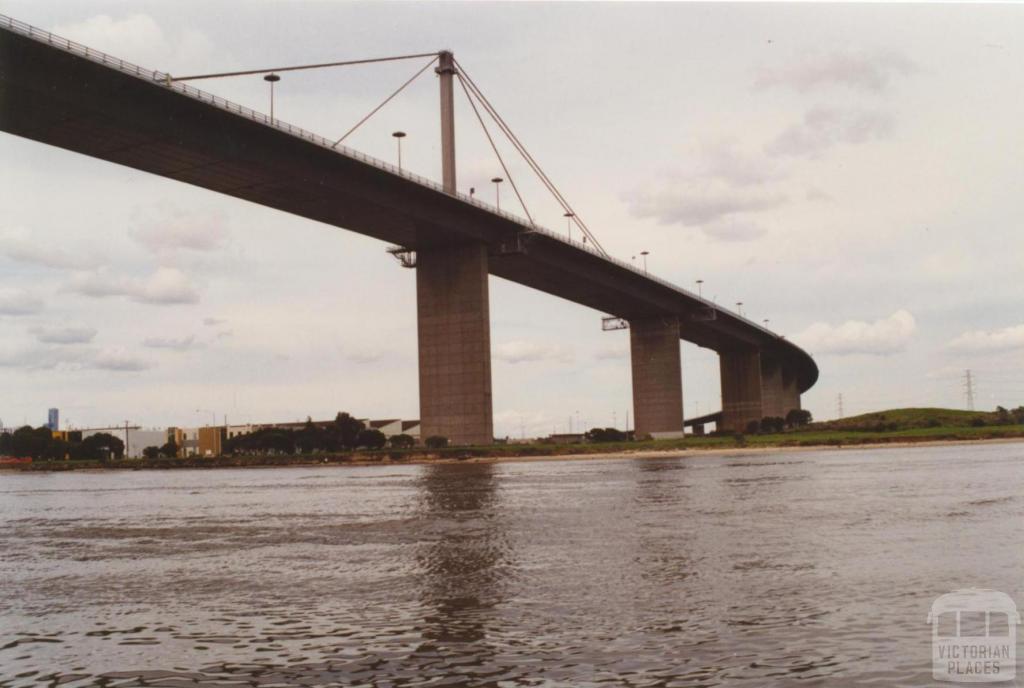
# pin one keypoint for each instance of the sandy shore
(745, 451)
(587, 456)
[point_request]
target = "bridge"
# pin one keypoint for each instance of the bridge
(64, 94)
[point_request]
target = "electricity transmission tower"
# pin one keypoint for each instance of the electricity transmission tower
(969, 389)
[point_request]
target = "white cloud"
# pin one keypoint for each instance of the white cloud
(140, 39)
(174, 344)
(731, 229)
(119, 361)
(190, 231)
(864, 71)
(19, 302)
(712, 185)
(881, 337)
(726, 161)
(1004, 339)
(64, 335)
(518, 351)
(71, 358)
(166, 286)
(21, 246)
(824, 127)
(691, 205)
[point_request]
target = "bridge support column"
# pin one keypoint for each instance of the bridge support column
(790, 392)
(657, 377)
(773, 402)
(454, 344)
(741, 389)
(779, 393)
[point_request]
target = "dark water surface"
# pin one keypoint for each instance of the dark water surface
(812, 568)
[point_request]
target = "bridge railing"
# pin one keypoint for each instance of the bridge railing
(163, 79)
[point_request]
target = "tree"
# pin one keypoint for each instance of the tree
(371, 439)
(102, 446)
(436, 442)
(402, 441)
(772, 424)
(798, 418)
(311, 438)
(753, 427)
(28, 442)
(605, 435)
(151, 452)
(169, 450)
(346, 431)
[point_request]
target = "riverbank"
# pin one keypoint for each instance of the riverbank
(690, 445)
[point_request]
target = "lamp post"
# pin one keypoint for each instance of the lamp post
(700, 283)
(497, 192)
(766, 322)
(272, 79)
(399, 135)
(739, 307)
(644, 254)
(568, 222)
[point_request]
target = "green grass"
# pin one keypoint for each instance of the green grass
(908, 418)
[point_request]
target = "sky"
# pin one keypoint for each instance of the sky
(850, 173)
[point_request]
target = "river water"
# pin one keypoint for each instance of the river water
(807, 568)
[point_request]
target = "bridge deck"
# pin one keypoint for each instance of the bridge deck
(60, 93)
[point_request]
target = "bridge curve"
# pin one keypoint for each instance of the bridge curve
(64, 94)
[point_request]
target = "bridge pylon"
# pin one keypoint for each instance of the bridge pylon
(453, 312)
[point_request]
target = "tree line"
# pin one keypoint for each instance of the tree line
(345, 433)
(39, 444)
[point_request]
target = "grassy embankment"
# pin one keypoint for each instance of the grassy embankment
(884, 427)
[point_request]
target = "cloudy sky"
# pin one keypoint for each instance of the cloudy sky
(852, 174)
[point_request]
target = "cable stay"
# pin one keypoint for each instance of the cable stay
(487, 133)
(473, 95)
(386, 101)
(322, 65)
(529, 159)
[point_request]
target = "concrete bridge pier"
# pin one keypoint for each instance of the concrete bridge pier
(779, 391)
(657, 377)
(454, 333)
(741, 389)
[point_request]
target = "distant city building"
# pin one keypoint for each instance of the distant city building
(53, 419)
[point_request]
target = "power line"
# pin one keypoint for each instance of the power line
(322, 65)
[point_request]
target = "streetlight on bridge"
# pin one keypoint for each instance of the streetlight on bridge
(399, 135)
(272, 79)
(645, 254)
(497, 192)
(700, 283)
(739, 308)
(568, 222)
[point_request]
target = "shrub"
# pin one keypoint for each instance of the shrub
(977, 422)
(371, 439)
(402, 441)
(436, 442)
(753, 427)
(151, 452)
